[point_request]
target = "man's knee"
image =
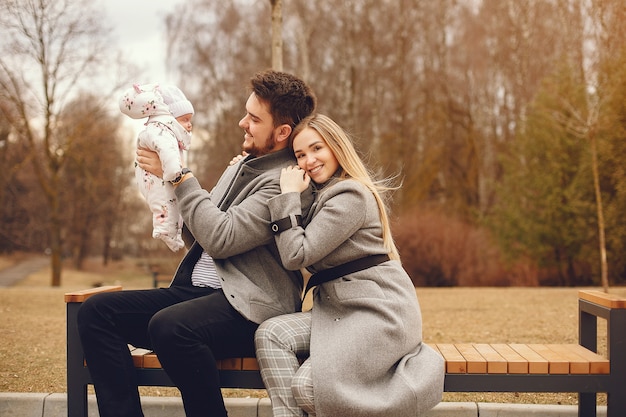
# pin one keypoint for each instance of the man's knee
(170, 326)
(90, 311)
(162, 328)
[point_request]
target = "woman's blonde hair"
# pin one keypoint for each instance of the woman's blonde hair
(352, 166)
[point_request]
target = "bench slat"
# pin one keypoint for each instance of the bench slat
(537, 364)
(496, 364)
(230, 364)
(516, 364)
(250, 364)
(151, 361)
(476, 364)
(597, 363)
(577, 364)
(455, 362)
(556, 364)
(138, 355)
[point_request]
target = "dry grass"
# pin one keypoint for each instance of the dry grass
(32, 325)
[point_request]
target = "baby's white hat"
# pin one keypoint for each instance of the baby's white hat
(176, 100)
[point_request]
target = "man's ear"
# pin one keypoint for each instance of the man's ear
(283, 132)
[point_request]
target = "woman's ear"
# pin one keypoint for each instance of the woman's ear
(284, 131)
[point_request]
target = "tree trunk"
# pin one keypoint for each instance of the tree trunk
(601, 237)
(56, 242)
(277, 34)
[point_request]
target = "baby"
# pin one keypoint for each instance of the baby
(168, 133)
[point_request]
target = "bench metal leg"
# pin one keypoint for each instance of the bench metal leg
(616, 404)
(77, 401)
(616, 335)
(77, 374)
(587, 404)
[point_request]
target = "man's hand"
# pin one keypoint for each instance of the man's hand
(293, 179)
(149, 161)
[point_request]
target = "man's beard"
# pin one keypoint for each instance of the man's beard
(255, 150)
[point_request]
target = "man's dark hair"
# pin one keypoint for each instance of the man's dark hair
(289, 98)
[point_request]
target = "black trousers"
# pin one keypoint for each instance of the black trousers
(188, 327)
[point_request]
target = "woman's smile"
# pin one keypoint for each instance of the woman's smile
(314, 156)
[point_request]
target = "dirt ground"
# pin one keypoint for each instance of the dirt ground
(32, 325)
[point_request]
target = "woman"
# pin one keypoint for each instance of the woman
(362, 338)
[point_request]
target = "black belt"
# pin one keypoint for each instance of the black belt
(344, 269)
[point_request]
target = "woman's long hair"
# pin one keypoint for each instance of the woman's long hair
(352, 167)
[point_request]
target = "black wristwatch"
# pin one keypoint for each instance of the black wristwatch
(179, 178)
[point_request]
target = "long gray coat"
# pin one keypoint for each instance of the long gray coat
(232, 224)
(367, 354)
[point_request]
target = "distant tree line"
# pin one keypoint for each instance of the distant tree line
(504, 121)
(488, 111)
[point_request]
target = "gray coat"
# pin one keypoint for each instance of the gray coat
(231, 223)
(367, 354)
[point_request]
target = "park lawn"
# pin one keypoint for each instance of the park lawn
(32, 325)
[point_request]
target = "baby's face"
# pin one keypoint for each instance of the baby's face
(185, 121)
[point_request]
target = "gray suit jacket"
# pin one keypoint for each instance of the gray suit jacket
(367, 355)
(231, 223)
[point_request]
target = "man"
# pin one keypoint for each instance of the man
(228, 283)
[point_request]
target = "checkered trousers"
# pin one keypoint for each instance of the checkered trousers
(279, 342)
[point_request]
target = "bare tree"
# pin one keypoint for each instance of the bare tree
(13, 231)
(225, 43)
(436, 92)
(607, 30)
(99, 170)
(50, 48)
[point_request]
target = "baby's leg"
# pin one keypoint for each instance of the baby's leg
(166, 219)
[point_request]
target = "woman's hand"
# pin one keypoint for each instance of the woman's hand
(238, 158)
(293, 179)
(149, 161)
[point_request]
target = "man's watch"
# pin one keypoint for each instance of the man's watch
(179, 178)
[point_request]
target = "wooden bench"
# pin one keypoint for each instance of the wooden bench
(470, 367)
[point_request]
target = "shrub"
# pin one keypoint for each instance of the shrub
(439, 251)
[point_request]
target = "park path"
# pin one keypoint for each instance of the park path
(21, 270)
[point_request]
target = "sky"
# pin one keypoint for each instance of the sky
(140, 33)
